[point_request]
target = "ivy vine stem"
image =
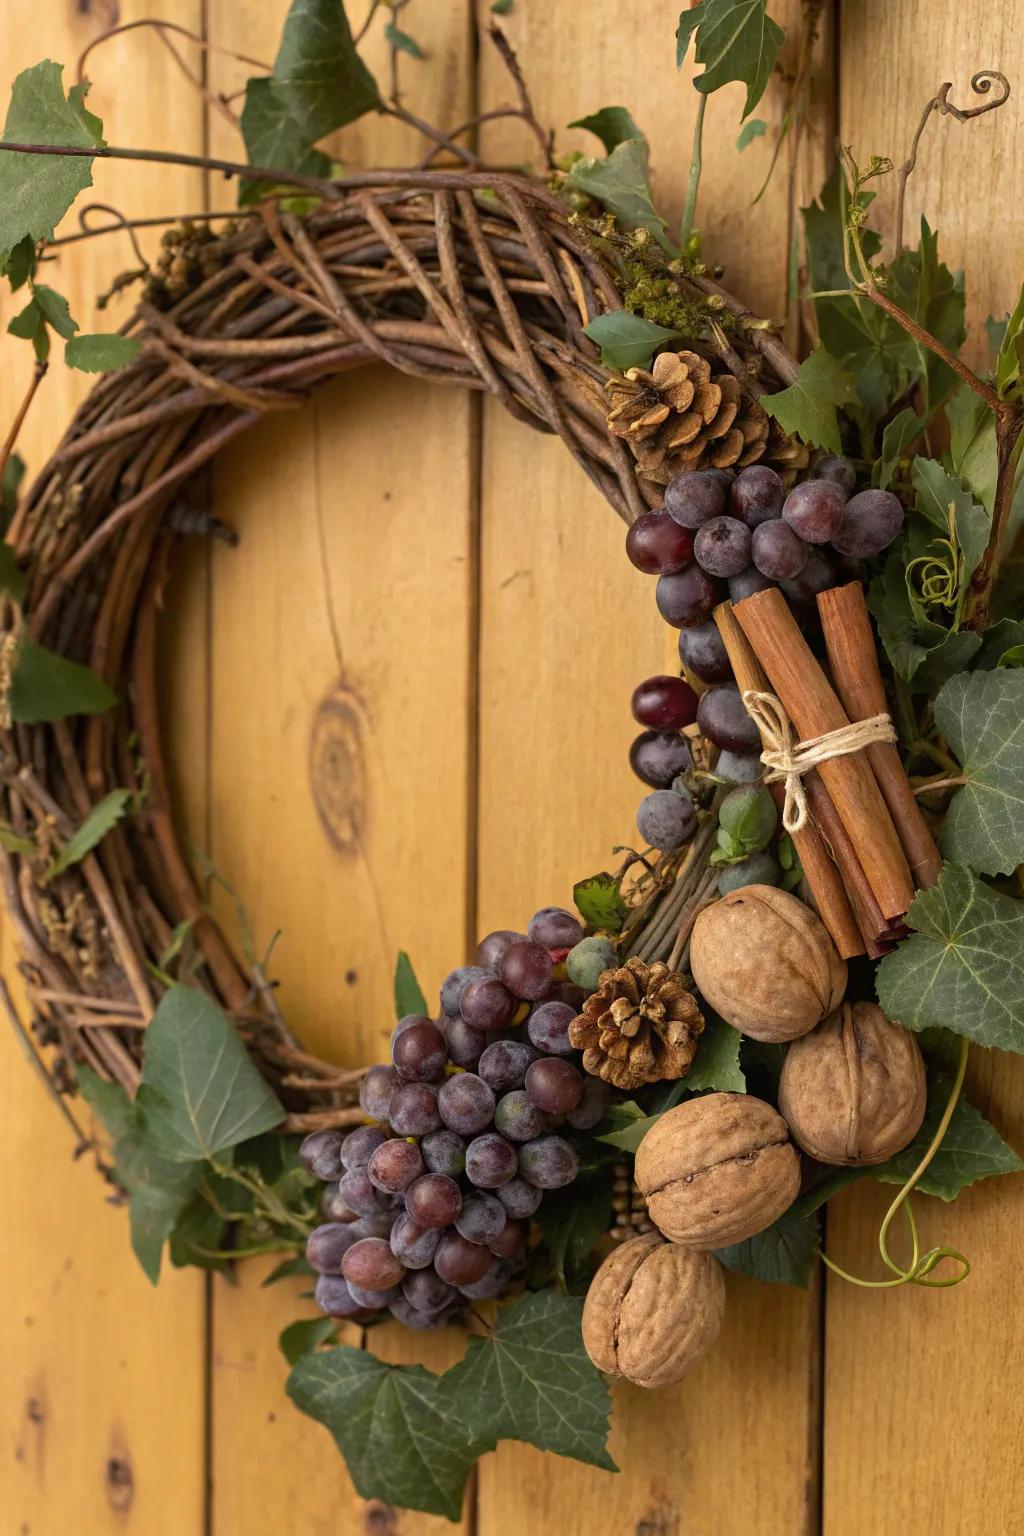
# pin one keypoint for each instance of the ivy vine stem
(693, 180)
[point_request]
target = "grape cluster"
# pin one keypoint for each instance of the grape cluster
(428, 1204)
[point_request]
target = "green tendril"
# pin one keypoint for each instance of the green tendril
(921, 1264)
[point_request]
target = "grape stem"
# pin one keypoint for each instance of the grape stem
(693, 180)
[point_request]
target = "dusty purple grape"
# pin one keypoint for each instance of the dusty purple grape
(814, 510)
(756, 495)
(871, 520)
(414, 1110)
(665, 820)
(658, 757)
(701, 649)
(722, 546)
(327, 1245)
(777, 551)
(687, 597)
(694, 497)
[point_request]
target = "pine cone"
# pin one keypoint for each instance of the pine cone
(640, 1026)
(629, 1208)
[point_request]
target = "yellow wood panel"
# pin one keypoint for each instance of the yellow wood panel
(102, 1397)
(922, 1425)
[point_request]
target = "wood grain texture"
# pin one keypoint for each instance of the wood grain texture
(102, 1398)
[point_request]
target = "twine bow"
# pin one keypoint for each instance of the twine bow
(787, 759)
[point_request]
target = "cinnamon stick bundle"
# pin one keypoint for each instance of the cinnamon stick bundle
(821, 874)
(811, 704)
(850, 643)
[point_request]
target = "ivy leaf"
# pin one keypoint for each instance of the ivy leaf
(599, 902)
(37, 190)
(755, 129)
(392, 1423)
(897, 437)
(403, 42)
(971, 1149)
(106, 813)
(12, 577)
(627, 341)
(940, 497)
(963, 966)
(200, 1094)
(621, 181)
(736, 40)
(808, 407)
(408, 993)
(299, 1338)
(531, 1380)
(783, 1253)
(629, 1126)
(573, 1221)
(981, 714)
(717, 1062)
(1001, 641)
(101, 353)
(612, 125)
(197, 1233)
(48, 687)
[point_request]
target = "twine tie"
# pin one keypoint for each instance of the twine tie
(787, 759)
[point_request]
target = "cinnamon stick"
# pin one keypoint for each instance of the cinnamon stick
(811, 704)
(822, 876)
(867, 914)
(854, 661)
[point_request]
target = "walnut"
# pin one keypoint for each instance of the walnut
(766, 963)
(853, 1091)
(653, 1311)
(717, 1169)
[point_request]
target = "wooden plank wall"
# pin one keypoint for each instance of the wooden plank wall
(386, 702)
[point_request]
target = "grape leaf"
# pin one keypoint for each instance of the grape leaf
(940, 497)
(627, 341)
(408, 993)
(717, 1062)
(37, 190)
(736, 40)
(612, 125)
(531, 1380)
(897, 437)
(621, 181)
(981, 715)
(46, 686)
(106, 813)
(755, 129)
(808, 407)
(573, 1221)
(1001, 640)
(971, 1149)
(599, 902)
(101, 353)
(963, 966)
(393, 1424)
(200, 1094)
(299, 1338)
(783, 1253)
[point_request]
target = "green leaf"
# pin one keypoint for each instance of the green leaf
(55, 310)
(299, 1338)
(408, 993)
(500, 7)
(10, 840)
(298, 1264)
(30, 325)
(940, 496)
(198, 1233)
(1010, 357)
(47, 687)
(573, 1221)
(612, 125)
(14, 473)
(108, 1101)
(621, 182)
(394, 1427)
(717, 1062)
(971, 1149)
(531, 1380)
(200, 1093)
(736, 40)
(1001, 640)
(37, 190)
(599, 902)
(101, 353)
(755, 129)
(403, 42)
(981, 714)
(106, 813)
(808, 407)
(12, 577)
(630, 1126)
(963, 967)
(783, 1253)
(897, 437)
(21, 263)
(627, 341)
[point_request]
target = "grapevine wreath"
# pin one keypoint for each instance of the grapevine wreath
(773, 994)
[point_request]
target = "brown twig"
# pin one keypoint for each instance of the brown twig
(546, 139)
(38, 374)
(981, 83)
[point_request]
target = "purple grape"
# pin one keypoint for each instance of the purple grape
(482, 1219)
(511, 1240)
(414, 1110)
(326, 1246)
(777, 551)
(687, 597)
(723, 719)
(434, 1200)
(373, 1299)
(375, 1092)
(358, 1193)
(487, 1004)
(503, 1065)
(548, 1163)
(332, 1295)
(427, 1292)
(569, 993)
(756, 495)
(816, 576)
(403, 1024)
(420, 1053)
(456, 982)
(591, 1107)
(701, 649)
(722, 546)
(658, 758)
(413, 1245)
(554, 1086)
(666, 820)
(371, 1264)
(837, 468)
(464, 1042)
(548, 1027)
(376, 1223)
(517, 1119)
(494, 1283)
(320, 1155)
(665, 704)
(444, 1152)
(747, 583)
(555, 928)
(490, 949)
(814, 510)
(526, 970)
(394, 1165)
(491, 1160)
(460, 1262)
(739, 767)
(411, 1317)
(657, 545)
(519, 1198)
(694, 497)
(466, 1103)
(724, 477)
(334, 1206)
(871, 520)
(360, 1145)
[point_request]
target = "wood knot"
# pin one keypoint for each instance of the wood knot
(120, 1482)
(337, 770)
(380, 1520)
